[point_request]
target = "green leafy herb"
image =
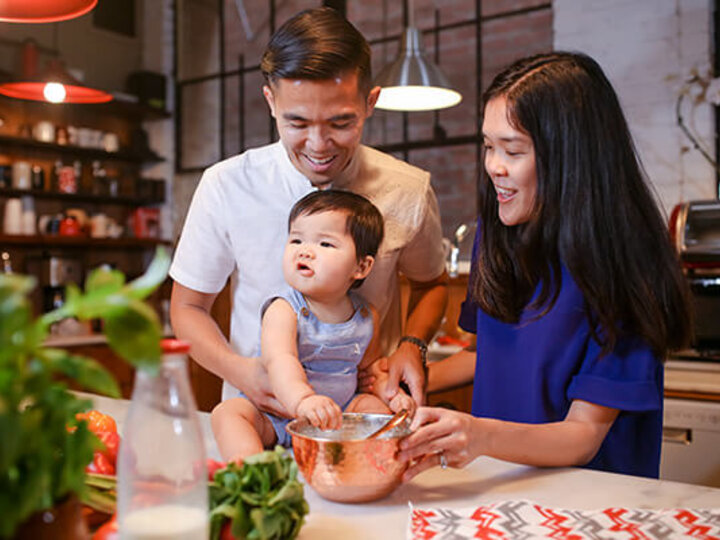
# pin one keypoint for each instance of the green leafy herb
(263, 498)
(41, 461)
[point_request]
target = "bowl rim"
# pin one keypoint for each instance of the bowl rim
(289, 427)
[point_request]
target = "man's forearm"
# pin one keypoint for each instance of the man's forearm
(209, 347)
(426, 307)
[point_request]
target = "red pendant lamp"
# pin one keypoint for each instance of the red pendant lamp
(53, 85)
(43, 11)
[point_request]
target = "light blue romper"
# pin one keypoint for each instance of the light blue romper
(330, 353)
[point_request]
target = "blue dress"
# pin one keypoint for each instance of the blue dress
(531, 371)
(329, 352)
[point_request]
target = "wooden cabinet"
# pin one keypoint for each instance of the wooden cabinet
(205, 386)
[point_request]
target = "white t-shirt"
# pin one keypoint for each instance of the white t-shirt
(237, 226)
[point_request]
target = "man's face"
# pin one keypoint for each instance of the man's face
(320, 122)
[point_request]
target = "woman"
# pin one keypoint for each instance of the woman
(575, 295)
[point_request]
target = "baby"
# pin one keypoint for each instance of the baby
(317, 334)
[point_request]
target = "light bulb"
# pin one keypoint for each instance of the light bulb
(417, 98)
(54, 92)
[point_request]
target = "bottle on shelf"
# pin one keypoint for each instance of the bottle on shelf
(162, 474)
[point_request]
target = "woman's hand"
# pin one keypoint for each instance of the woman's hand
(321, 411)
(439, 431)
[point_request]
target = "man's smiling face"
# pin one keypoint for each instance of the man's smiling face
(320, 122)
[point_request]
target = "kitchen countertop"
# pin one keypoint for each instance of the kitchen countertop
(483, 481)
(692, 376)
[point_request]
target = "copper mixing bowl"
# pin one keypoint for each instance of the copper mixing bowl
(342, 465)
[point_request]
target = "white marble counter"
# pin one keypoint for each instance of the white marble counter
(485, 480)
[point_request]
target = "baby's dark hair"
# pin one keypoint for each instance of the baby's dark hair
(364, 221)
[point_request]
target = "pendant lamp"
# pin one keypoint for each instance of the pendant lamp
(53, 85)
(43, 11)
(412, 82)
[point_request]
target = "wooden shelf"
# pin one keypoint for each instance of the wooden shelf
(77, 197)
(22, 143)
(116, 107)
(80, 242)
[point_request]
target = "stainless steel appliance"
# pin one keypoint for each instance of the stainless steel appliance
(691, 427)
(695, 230)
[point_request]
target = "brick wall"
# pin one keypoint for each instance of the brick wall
(647, 48)
(454, 169)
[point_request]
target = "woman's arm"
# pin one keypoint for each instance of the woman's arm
(462, 438)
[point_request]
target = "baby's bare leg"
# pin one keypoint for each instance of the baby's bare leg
(240, 429)
(367, 403)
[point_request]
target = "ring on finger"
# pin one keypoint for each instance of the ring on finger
(443, 460)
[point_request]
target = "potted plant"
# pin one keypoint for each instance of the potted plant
(44, 449)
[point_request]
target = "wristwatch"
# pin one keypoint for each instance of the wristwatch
(420, 344)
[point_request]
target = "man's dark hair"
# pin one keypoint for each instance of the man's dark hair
(317, 44)
(364, 222)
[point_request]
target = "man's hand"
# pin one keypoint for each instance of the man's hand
(256, 386)
(321, 411)
(402, 401)
(405, 364)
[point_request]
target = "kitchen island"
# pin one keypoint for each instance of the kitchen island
(484, 481)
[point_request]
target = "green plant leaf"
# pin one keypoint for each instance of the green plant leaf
(104, 279)
(85, 371)
(41, 461)
(135, 334)
(154, 276)
(262, 497)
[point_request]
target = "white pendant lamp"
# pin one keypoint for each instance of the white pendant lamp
(412, 82)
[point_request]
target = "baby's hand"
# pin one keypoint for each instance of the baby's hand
(402, 401)
(320, 411)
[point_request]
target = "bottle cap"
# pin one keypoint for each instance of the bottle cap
(174, 346)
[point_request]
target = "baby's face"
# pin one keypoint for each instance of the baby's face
(320, 259)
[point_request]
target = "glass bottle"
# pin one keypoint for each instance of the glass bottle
(162, 473)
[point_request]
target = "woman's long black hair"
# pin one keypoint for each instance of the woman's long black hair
(593, 212)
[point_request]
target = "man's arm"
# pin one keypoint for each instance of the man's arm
(426, 308)
(192, 322)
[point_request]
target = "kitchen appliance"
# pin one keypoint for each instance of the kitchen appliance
(695, 230)
(691, 427)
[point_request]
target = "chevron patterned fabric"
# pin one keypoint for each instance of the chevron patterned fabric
(526, 520)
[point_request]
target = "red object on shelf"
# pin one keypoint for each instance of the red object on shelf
(146, 222)
(69, 226)
(43, 11)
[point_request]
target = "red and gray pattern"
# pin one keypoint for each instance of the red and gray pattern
(525, 520)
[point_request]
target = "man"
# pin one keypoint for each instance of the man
(317, 70)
